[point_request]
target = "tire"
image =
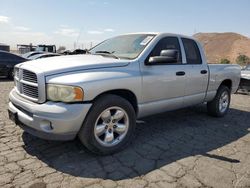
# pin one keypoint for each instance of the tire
(103, 111)
(213, 107)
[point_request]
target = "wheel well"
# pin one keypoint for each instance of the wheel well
(227, 83)
(124, 93)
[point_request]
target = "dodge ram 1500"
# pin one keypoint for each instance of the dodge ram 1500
(99, 96)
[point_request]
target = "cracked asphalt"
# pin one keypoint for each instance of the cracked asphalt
(184, 148)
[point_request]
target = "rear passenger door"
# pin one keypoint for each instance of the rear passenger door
(196, 74)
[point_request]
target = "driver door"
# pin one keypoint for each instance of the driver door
(163, 84)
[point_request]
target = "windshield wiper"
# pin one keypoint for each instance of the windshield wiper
(107, 53)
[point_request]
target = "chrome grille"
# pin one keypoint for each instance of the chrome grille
(30, 91)
(29, 76)
(26, 84)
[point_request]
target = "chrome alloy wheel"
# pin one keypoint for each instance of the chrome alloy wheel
(111, 126)
(224, 102)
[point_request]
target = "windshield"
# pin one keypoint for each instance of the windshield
(124, 47)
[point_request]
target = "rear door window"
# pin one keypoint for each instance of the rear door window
(193, 55)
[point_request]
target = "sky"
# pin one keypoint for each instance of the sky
(80, 23)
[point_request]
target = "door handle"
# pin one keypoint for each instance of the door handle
(180, 73)
(203, 71)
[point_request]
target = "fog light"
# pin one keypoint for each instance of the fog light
(46, 126)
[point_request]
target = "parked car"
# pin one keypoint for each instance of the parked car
(7, 62)
(245, 80)
(30, 54)
(74, 52)
(44, 55)
(78, 51)
(99, 96)
(65, 52)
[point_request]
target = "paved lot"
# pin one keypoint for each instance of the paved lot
(184, 148)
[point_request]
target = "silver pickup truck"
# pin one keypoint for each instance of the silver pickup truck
(99, 96)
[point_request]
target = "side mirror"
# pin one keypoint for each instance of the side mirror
(166, 56)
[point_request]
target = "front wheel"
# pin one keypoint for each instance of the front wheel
(219, 106)
(109, 125)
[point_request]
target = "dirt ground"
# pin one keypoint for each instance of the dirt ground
(184, 148)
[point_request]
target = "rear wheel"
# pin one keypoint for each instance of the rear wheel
(219, 106)
(109, 125)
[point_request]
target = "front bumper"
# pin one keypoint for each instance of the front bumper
(50, 120)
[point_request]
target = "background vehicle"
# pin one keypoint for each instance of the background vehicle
(7, 63)
(74, 52)
(30, 54)
(4, 47)
(78, 51)
(46, 48)
(44, 55)
(66, 52)
(24, 48)
(98, 96)
(245, 80)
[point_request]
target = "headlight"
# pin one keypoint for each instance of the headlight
(64, 93)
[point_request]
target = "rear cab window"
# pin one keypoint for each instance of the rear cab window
(192, 51)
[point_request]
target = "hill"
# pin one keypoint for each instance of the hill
(224, 45)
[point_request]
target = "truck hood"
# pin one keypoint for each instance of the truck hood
(61, 64)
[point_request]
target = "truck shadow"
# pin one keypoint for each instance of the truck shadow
(159, 141)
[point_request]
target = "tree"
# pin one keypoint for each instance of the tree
(61, 49)
(243, 60)
(224, 61)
